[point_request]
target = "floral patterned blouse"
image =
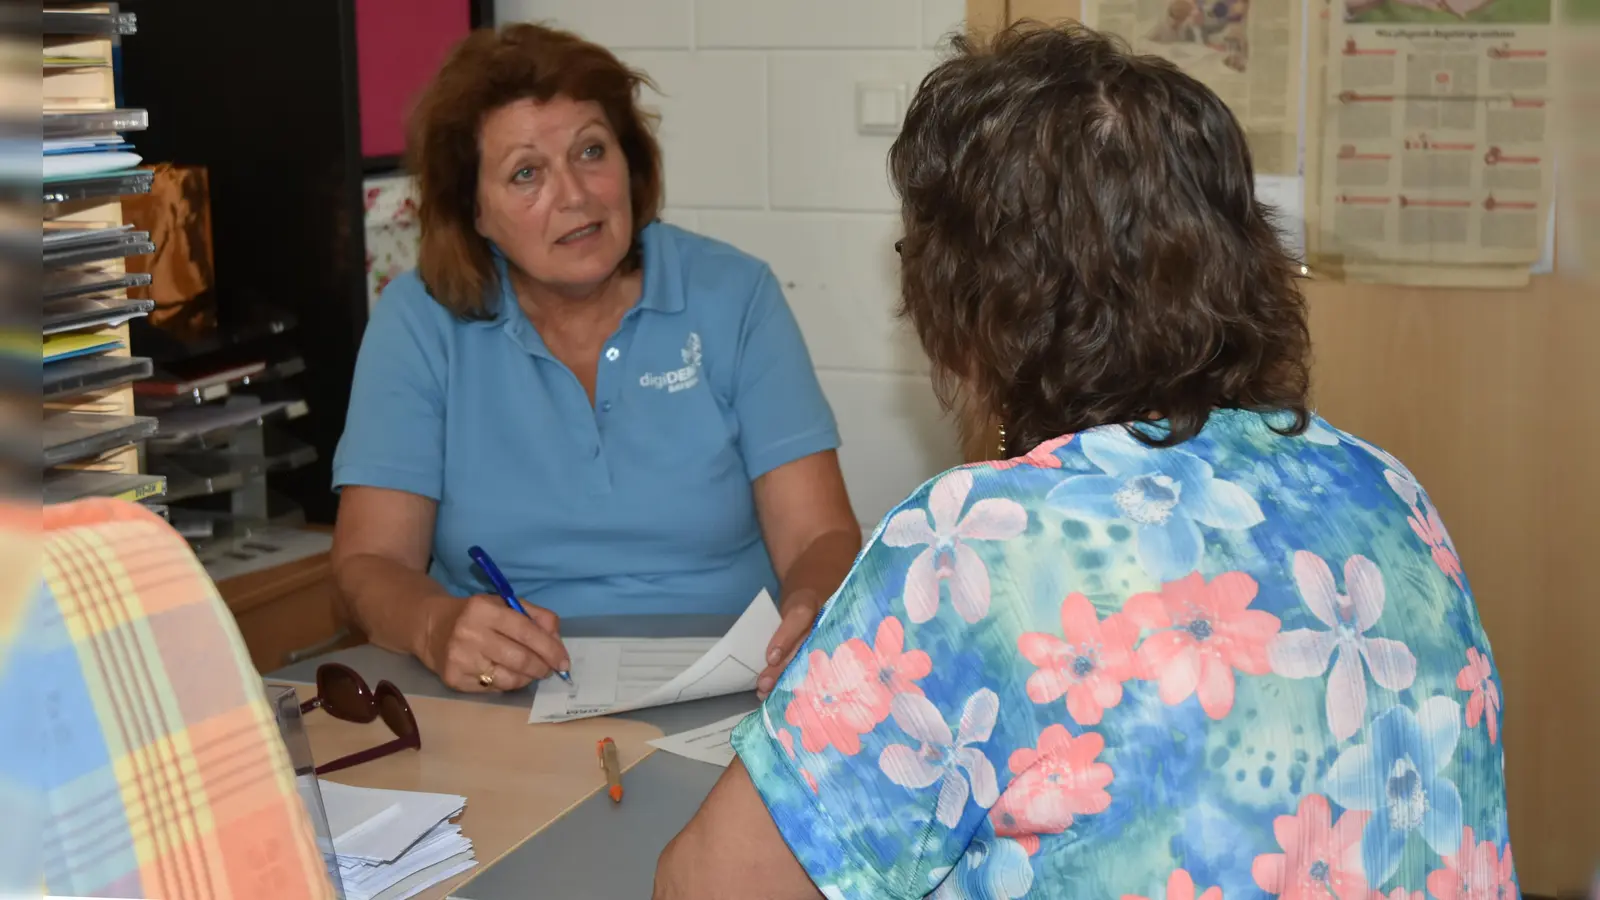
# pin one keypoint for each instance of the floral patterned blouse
(1247, 665)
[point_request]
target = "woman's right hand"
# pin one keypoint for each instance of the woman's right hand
(467, 639)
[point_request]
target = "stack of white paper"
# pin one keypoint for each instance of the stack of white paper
(393, 844)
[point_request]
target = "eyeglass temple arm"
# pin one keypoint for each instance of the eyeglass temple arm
(378, 752)
(309, 705)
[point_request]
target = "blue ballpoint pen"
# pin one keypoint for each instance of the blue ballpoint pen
(503, 588)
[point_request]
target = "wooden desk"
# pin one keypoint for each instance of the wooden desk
(517, 778)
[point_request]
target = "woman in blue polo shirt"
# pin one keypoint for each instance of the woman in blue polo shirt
(622, 413)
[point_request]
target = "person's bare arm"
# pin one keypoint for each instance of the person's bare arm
(381, 545)
(731, 849)
(813, 537)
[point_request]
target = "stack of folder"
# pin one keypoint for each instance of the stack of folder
(394, 844)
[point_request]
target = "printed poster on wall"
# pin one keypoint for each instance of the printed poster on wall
(1247, 51)
(1436, 133)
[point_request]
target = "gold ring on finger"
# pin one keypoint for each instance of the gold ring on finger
(487, 678)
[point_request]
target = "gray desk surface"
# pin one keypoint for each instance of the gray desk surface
(599, 850)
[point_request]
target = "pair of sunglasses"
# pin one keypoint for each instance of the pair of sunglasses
(345, 695)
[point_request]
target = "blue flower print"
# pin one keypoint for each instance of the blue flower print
(1166, 494)
(1396, 776)
(1318, 432)
(997, 869)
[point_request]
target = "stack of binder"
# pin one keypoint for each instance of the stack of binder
(83, 141)
(90, 433)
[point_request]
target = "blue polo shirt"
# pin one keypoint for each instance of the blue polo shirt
(641, 503)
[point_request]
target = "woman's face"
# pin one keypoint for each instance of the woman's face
(553, 192)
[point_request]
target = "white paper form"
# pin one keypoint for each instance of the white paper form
(613, 675)
(708, 744)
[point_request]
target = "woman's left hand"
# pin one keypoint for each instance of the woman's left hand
(799, 613)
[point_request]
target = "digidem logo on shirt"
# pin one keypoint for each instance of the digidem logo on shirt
(678, 379)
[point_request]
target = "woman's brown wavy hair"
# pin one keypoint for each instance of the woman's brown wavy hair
(1083, 245)
(487, 70)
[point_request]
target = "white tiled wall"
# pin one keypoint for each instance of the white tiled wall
(759, 132)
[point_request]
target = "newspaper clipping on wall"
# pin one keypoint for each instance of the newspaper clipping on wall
(1247, 51)
(1436, 135)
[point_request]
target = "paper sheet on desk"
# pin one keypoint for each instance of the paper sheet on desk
(615, 675)
(708, 744)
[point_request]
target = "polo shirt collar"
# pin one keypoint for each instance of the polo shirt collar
(662, 290)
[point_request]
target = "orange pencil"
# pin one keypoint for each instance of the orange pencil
(607, 751)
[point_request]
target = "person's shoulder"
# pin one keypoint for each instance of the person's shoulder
(406, 304)
(406, 294)
(697, 250)
(983, 500)
(710, 269)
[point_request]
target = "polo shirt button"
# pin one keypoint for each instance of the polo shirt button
(606, 406)
(612, 354)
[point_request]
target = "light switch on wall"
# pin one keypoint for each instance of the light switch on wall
(880, 107)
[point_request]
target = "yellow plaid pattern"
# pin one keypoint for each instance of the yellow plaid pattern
(151, 755)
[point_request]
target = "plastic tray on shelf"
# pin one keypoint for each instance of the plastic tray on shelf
(133, 243)
(105, 184)
(213, 425)
(169, 390)
(200, 473)
(184, 483)
(97, 24)
(72, 436)
(60, 125)
(72, 313)
(66, 485)
(81, 282)
(86, 374)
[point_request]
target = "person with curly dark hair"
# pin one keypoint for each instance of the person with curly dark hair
(1185, 638)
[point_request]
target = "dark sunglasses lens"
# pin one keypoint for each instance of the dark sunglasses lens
(396, 712)
(900, 245)
(344, 694)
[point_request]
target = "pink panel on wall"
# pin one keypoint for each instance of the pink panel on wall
(399, 45)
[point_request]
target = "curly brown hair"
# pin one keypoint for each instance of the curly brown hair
(1083, 244)
(487, 70)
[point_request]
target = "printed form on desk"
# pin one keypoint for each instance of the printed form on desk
(612, 675)
(709, 744)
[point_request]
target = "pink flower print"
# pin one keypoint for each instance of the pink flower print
(781, 735)
(811, 780)
(1475, 872)
(1476, 676)
(1180, 886)
(1089, 667)
(946, 759)
(1304, 653)
(1426, 523)
(370, 199)
(1424, 520)
(1318, 861)
(1041, 457)
(1204, 632)
(840, 699)
(947, 559)
(1053, 783)
(897, 669)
